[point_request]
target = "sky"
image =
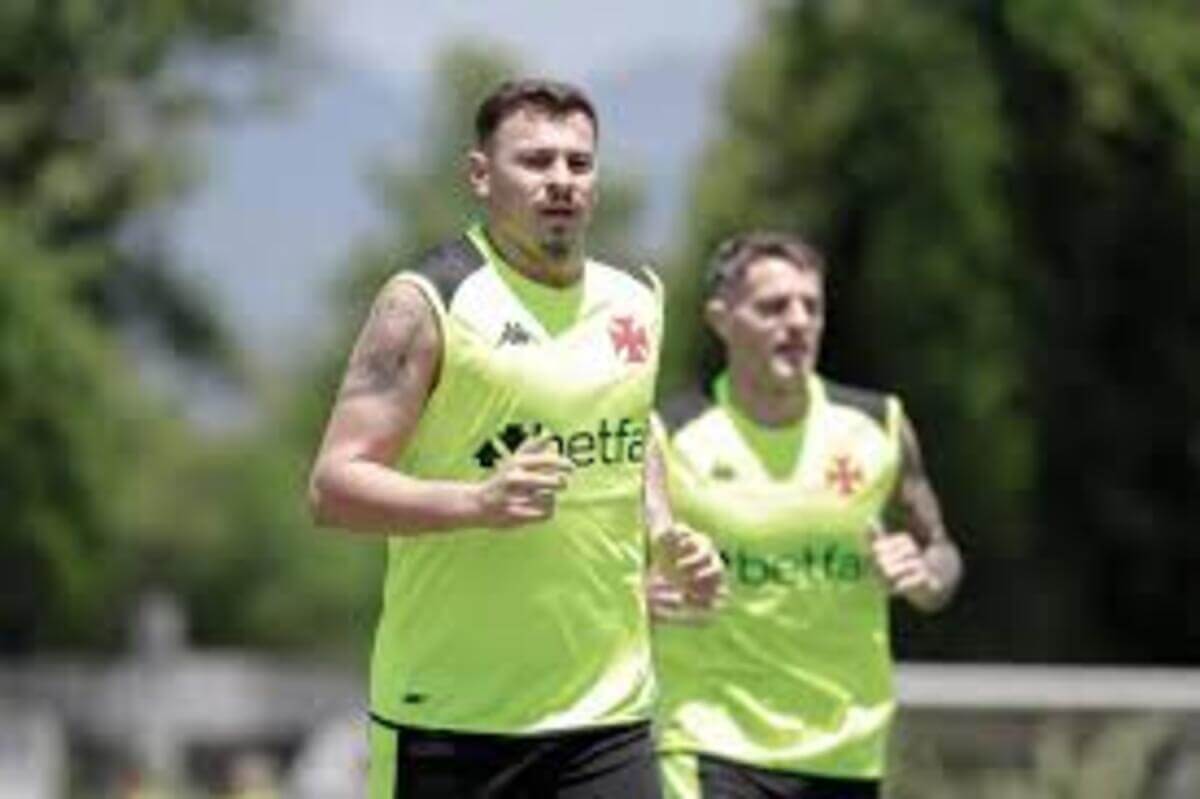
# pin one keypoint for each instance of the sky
(569, 40)
(285, 195)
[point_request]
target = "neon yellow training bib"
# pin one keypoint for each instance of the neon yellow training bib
(795, 672)
(540, 627)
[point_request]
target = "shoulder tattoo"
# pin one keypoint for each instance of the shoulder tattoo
(398, 324)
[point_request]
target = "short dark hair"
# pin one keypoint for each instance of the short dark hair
(728, 264)
(552, 97)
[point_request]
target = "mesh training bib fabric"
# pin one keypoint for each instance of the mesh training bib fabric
(794, 672)
(542, 627)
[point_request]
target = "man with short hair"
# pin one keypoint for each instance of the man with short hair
(816, 496)
(493, 423)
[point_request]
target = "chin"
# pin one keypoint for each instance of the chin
(789, 375)
(558, 247)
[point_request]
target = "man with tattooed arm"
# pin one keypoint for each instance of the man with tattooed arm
(493, 424)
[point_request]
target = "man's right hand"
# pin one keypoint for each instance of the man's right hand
(524, 486)
(686, 582)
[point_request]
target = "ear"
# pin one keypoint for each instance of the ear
(479, 174)
(716, 314)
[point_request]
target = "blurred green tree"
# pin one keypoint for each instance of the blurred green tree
(62, 411)
(93, 107)
(1103, 103)
(1006, 193)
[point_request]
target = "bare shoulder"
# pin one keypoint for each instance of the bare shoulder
(399, 342)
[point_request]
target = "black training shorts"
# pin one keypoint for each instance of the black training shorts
(603, 763)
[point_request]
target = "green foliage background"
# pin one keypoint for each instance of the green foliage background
(91, 121)
(1007, 194)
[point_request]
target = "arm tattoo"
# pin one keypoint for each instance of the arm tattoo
(385, 347)
(919, 504)
(915, 497)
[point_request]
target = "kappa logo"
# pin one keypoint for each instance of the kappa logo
(722, 471)
(514, 334)
(629, 339)
(611, 442)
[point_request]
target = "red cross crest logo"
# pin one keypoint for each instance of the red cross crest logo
(843, 475)
(629, 339)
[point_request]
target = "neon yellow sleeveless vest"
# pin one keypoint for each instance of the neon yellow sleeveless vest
(540, 627)
(795, 672)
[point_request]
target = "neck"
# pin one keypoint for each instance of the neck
(769, 404)
(533, 262)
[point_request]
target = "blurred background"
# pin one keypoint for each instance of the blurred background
(198, 200)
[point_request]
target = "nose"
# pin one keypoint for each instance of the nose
(558, 178)
(797, 315)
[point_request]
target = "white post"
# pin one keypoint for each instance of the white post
(159, 639)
